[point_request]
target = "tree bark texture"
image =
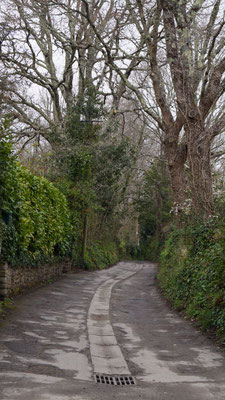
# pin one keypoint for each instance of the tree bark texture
(199, 150)
(176, 158)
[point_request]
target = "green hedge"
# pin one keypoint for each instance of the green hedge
(34, 216)
(192, 274)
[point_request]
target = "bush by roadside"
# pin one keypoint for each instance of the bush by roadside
(192, 273)
(99, 255)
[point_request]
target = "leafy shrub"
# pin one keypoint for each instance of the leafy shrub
(150, 249)
(35, 220)
(132, 251)
(192, 273)
(99, 255)
(121, 248)
(154, 205)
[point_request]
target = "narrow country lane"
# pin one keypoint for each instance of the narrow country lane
(105, 335)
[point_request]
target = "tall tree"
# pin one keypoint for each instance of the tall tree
(194, 66)
(54, 55)
(197, 66)
(185, 77)
(168, 54)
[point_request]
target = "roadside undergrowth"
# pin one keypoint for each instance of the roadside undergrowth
(192, 274)
(99, 255)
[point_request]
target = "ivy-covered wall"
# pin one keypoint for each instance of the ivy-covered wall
(34, 215)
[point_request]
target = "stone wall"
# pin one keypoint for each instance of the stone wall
(5, 280)
(15, 280)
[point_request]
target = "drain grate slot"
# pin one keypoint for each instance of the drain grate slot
(115, 380)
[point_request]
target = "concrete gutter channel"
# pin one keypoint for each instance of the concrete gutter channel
(106, 355)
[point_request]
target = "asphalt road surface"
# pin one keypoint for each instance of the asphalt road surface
(105, 335)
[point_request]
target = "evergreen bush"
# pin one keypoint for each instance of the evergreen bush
(99, 255)
(34, 216)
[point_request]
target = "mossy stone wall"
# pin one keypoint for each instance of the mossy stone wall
(15, 280)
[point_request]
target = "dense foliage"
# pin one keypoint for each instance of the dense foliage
(192, 273)
(35, 219)
(99, 255)
(89, 168)
(154, 208)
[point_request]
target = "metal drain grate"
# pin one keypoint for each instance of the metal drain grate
(115, 380)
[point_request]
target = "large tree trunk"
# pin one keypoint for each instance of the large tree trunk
(199, 146)
(176, 157)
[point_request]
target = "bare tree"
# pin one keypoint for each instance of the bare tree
(197, 65)
(176, 48)
(181, 45)
(54, 55)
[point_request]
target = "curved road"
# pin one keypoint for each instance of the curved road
(105, 335)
